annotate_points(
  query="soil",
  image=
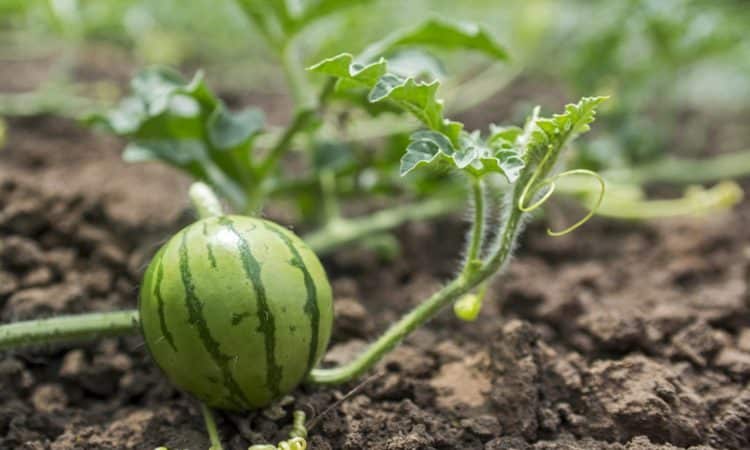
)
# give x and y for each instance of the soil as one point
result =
(618, 336)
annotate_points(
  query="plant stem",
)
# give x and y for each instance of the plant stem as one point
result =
(304, 117)
(256, 196)
(63, 329)
(686, 171)
(213, 432)
(695, 202)
(393, 336)
(295, 75)
(58, 99)
(228, 187)
(344, 231)
(331, 209)
(426, 310)
(628, 201)
(477, 232)
(204, 200)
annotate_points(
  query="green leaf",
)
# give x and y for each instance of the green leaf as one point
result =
(182, 154)
(227, 130)
(288, 17)
(429, 148)
(185, 125)
(162, 106)
(544, 138)
(503, 137)
(417, 64)
(409, 79)
(416, 97)
(342, 66)
(440, 34)
(482, 159)
(332, 155)
(317, 9)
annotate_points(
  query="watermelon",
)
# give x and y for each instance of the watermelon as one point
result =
(236, 311)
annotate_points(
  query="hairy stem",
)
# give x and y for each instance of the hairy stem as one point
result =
(305, 116)
(64, 329)
(301, 120)
(477, 232)
(426, 310)
(393, 336)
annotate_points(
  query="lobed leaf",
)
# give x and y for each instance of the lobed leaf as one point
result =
(545, 135)
(416, 97)
(227, 130)
(427, 148)
(288, 17)
(474, 156)
(507, 150)
(185, 125)
(502, 136)
(440, 34)
(317, 9)
(417, 64)
(410, 78)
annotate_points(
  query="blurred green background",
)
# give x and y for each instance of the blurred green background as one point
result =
(678, 71)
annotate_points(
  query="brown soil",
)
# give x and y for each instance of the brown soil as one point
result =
(619, 336)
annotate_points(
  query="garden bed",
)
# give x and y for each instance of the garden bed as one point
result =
(616, 336)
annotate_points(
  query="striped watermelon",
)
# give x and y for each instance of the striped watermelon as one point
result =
(236, 311)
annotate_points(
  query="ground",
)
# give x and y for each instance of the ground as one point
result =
(617, 336)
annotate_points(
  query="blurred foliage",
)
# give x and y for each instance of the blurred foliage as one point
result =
(649, 55)
(658, 59)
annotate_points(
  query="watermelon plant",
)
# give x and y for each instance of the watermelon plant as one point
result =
(339, 159)
(237, 310)
(184, 124)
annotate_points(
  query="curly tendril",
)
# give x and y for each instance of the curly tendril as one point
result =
(549, 183)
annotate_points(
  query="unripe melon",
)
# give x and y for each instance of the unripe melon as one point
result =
(236, 311)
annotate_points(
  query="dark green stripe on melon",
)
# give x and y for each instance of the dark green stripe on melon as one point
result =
(267, 321)
(209, 248)
(311, 302)
(162, 320)
(195, 311)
